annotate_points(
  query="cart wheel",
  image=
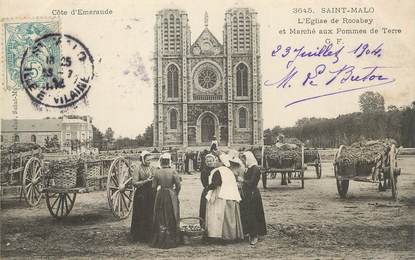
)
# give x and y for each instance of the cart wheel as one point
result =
(60, 204)
(32, 184)
(342, 187)
(302, 179)
(392, 177)
(120, 189)
(302, 167)
(382, 187)
(264, 180)
(318, 167)
(318, 171)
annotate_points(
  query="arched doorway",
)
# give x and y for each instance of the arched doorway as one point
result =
(207, 128)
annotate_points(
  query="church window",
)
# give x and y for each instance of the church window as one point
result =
(241, 32)
(171, 33)
(241, 80)
(242, 118)
(172, 81)
(166, 34)
(33, 138)
(172, 39)
(16, 138)
(178, 34)
(173, 119)
(207, 78)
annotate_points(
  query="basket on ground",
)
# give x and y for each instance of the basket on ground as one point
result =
(189, 227)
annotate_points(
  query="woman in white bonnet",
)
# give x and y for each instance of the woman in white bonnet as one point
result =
(238, 169)
(166, 221)
(223, 219)
(252, 210)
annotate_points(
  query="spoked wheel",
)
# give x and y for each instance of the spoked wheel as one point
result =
(393, 177)
(302, 179)
(302, 167)
(264, 174)
(264, 179)
(318, 167)
(342, 185)
(32, 184)
(60, 204)
(120, 189)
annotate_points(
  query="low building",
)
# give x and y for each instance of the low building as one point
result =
(68, 134)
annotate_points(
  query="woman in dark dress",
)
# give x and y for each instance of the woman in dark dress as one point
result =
(252, 210)
(209, 165)
(143, 200)
(166, 221)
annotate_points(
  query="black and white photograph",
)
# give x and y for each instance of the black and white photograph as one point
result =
(186, 129)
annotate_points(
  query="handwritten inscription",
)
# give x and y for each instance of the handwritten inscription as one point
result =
(330, 69)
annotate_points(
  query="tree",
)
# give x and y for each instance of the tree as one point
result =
(392, 108)
(148, 136)
(371, 102)
(109, 135)
(98, 137)
(268, 138)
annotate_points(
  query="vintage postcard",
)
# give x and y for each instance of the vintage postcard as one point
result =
(207, 129)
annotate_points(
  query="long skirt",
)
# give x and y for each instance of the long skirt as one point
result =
(166, 229)
(223, 219)
(142, 218)
(202, 208)
(252, 214)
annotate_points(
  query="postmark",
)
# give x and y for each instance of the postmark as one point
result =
(57, 70)
(18, 35)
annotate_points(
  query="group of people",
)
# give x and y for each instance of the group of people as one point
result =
(156, 211)
(230, 206)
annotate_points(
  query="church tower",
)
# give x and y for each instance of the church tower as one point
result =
(172, 37)
(207, 89)
(241, 40)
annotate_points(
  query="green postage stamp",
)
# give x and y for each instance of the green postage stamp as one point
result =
(53, 68)
(18, 36)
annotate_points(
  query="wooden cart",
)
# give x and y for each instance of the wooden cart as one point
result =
(384, 171)
(21, 170)
(294, 171)
(60, 199)
(313, 161)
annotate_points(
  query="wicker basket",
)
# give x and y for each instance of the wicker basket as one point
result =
(93, 172)
(192, 230)
(66, 177)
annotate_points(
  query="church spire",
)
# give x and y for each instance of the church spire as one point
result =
(206, 19)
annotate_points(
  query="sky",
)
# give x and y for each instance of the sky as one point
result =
(122, 45)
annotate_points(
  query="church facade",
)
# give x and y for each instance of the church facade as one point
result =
(206, 89)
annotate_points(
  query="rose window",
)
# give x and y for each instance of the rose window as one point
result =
(207, 78)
